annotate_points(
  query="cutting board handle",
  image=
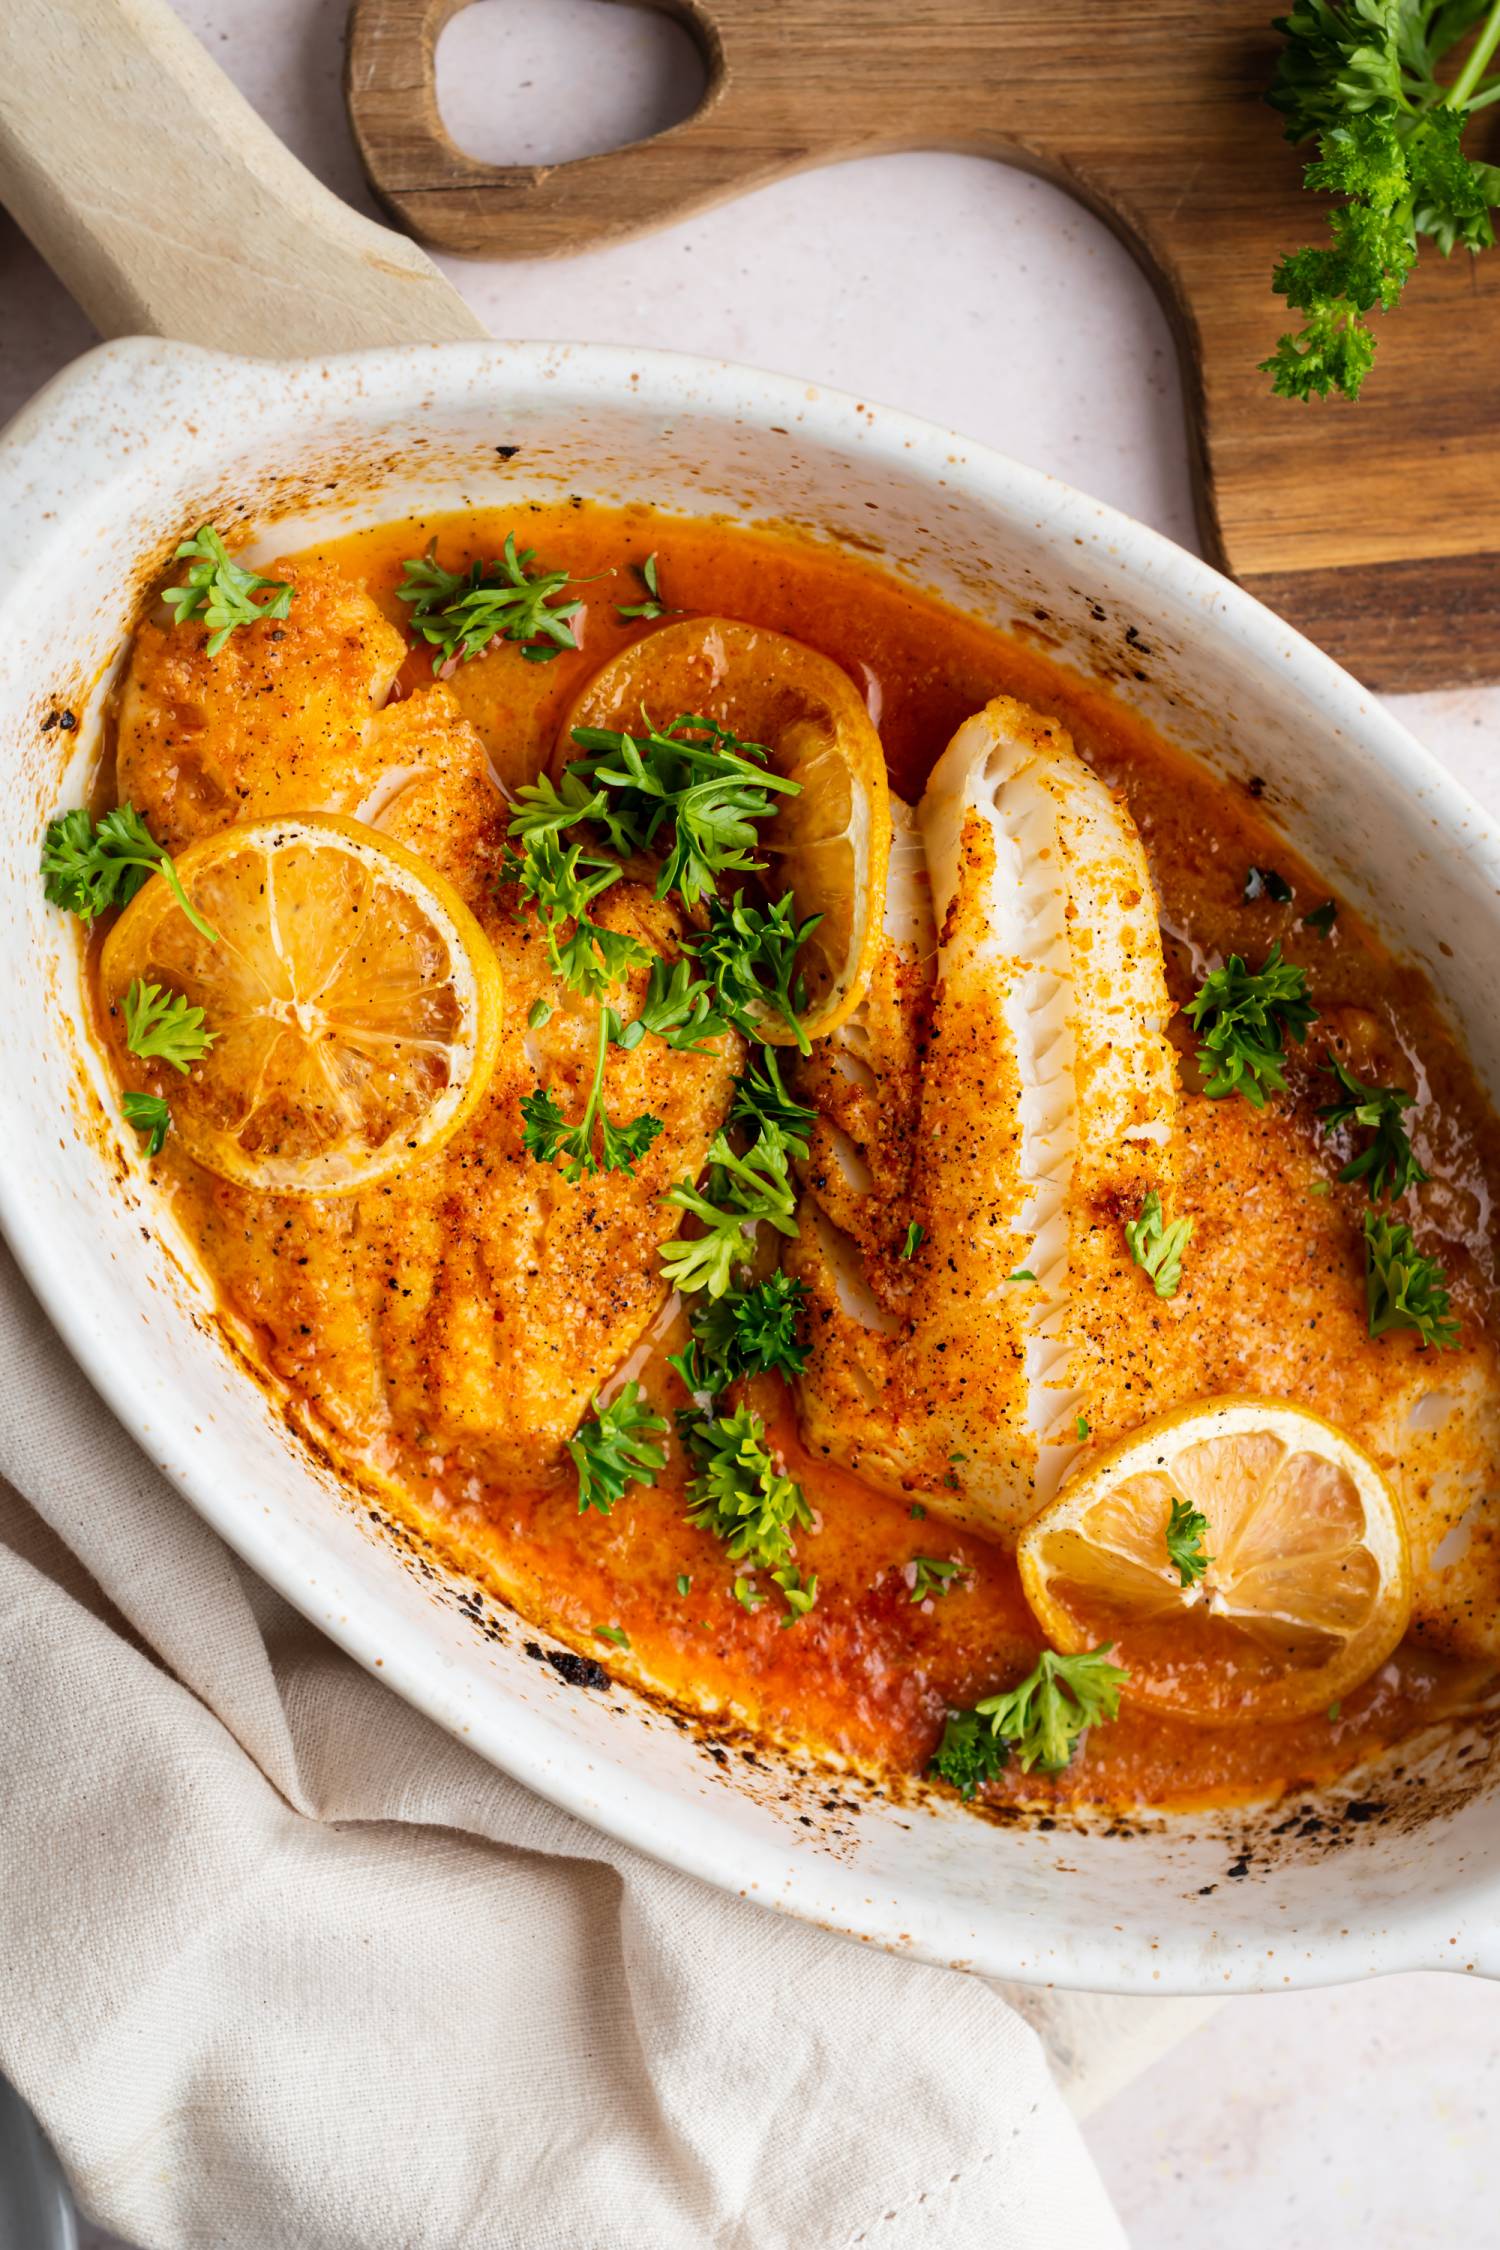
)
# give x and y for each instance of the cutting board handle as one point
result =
(734, 141)
(170, 209)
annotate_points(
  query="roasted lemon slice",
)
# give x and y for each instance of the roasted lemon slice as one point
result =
(353, 999)
(829, 844)
(1293, 1549)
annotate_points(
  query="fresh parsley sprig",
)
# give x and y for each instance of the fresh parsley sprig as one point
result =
(1244, 1018)
(1156, 1247)
(755, 1330)
(750, 952)
(547, 1135)
(969, 1754)
(89, 865)
(150, 1115)
(1045, 1716)
(1360, 78)
(653, 605)
(680, 1007)
(561, 882)
(692, 784)
(1388, 1163)
(462, 613)
(163, 1026)
(738, 1489)
(615, 1448)
(1187, 1528)
(221, 592)
(761, 1100)
(740, 1192)
(1404, 1288)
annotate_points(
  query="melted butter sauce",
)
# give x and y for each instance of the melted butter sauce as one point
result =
(870, 1671)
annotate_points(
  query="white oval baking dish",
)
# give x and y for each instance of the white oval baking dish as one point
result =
(97, 478)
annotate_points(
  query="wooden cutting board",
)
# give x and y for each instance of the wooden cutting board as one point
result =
(1375, 528)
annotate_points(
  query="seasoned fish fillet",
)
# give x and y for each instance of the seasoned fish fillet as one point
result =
(938, 1109)
(477, 1302)
(1045, 1112)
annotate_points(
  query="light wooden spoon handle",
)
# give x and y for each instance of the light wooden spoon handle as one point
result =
(169, 208)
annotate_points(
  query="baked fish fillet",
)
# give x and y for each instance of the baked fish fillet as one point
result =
(1035, 1106)
(473, 1304)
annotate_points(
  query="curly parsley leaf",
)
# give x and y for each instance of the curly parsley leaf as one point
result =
(969, 1754)
(1388, 1163)
(1156, 1247)
(761, 1099)
(1360, 78)
(1186, 1529)
(162, 1026)
(679, 1007)
(1244, 1017)
(740, 1492)
(149, 1114)
(751, 954)
(1045, 1717)
(616, 1448)
(1404, 1288)
(90, 865)
(220, 592)
(463, 613)
(750, 1331)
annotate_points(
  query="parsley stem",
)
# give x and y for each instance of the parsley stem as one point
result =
(1465, 84)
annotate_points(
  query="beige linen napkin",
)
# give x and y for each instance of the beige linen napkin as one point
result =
(287, 1968)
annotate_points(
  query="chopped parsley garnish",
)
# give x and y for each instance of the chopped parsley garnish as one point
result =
(615, 1449)
(88, 866)
(751, 954)
(799, 1593)
(761, 1100)
(1156, 1247)
(934, 1577)
(1042, 1719)
(679, 1007)
(149, 1114)
(219, 592)
(162, 1026)
(1361, 78)
(562, 882)
(739, 1492)
(737, 1192)
(692, 785)
(913, 1241)
(1244, 1017)
(461, 613)
(1403, 1288)
(653, 605)
(547, 1135)
(1081, 1428)
(1186, 1528)
(917, 1512)
(1387, 1164)
(539, 1013)
(748, 1595)
(1022, 1273)
(615, 1633)
(969, 1754)
(1322, 918)
(748, 1331)
(1266, 882)
(684, 1584)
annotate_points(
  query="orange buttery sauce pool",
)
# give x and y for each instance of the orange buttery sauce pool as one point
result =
(869, 1672)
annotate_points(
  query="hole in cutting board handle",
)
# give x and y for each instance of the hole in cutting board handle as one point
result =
(511, 92)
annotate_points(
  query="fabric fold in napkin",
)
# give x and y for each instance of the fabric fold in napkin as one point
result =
(287, 1968)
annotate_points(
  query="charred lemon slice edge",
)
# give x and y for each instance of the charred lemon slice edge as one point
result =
(829, 844)
(354, 1002)
(1294, 1583)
